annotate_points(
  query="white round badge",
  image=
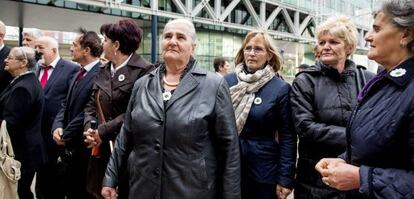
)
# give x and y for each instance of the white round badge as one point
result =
(398, 72)
(166, 95)
(257, 100)
(121, 77)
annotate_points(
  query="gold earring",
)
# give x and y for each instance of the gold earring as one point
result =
(115, 53)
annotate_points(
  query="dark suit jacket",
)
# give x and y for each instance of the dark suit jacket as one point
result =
(71, 114)
(5, 76)
(21, 105)
(55, 91)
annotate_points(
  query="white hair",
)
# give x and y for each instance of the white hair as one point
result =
(2, 28)
(34, 32)
(189, 24)
(51, 42)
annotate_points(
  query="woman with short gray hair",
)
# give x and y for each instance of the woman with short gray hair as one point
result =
(179, 137)
(379, 161)
(21, 105)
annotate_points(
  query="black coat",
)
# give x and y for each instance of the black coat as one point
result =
(5, 76)
(381, 136)
(322, 101)
(71, 114)
(186, 147)
(21, 105)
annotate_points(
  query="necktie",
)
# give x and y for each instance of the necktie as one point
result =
(80, 74)
(45, 75)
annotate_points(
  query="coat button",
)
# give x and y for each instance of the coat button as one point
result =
(156, 172)
(157, 147)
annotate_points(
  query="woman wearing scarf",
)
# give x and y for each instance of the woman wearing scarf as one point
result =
(261, 103)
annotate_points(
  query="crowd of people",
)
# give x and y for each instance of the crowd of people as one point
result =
(126, 128)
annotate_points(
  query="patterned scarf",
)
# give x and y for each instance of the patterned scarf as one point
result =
(243, 93)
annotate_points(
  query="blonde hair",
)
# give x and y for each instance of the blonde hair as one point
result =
(275, 61)
(340, 27)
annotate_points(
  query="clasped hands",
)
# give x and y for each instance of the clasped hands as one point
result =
(338, 174)
(92, 137)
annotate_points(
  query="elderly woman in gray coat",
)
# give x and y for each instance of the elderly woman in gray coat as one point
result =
(179, 138)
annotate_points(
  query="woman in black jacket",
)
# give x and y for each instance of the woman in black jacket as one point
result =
(21, 105)
(380, 152)
(179, 137)
(322, 99)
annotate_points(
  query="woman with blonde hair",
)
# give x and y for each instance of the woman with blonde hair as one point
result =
(263, 117)
(322, 99)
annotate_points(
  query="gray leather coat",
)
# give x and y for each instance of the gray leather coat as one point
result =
(186, 147)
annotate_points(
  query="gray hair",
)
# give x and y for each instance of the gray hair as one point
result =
(189, 24)
(2, 27)
(34, 32)
(400, 13)
(51, 42)
(25, 53)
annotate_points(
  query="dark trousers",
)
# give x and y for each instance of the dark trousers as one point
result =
(23, 186)
(74, 178)
(251, 189)
(48, 183)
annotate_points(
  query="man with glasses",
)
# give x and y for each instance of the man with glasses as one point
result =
(5, 77)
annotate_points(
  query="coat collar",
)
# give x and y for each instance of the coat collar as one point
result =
(56, 72)
(89, 77)
(189, 82)
(403, 73)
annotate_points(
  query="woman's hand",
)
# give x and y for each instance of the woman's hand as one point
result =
(338, 174)
(282, 192)
(108, 193)
(92, 137)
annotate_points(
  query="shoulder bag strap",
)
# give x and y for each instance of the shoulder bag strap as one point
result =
(6, 146)
(99, 107)
(102, 116)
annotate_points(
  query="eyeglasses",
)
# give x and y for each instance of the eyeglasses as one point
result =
(256, 50)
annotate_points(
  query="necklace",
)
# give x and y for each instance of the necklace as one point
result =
(169, 83)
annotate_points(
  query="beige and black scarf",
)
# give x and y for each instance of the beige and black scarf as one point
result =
(243, 93)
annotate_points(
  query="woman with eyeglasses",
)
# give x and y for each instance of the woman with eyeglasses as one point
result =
(261, 103)
(322, 99)
(21, 106)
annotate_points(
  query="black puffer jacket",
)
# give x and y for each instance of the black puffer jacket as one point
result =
(322, 101)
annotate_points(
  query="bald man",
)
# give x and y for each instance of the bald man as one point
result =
(5, 77)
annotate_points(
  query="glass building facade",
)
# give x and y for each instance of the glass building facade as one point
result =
(215, 39)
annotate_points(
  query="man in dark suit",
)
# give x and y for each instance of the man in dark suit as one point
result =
(55, 75)
(5, 77)
(68, 125)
